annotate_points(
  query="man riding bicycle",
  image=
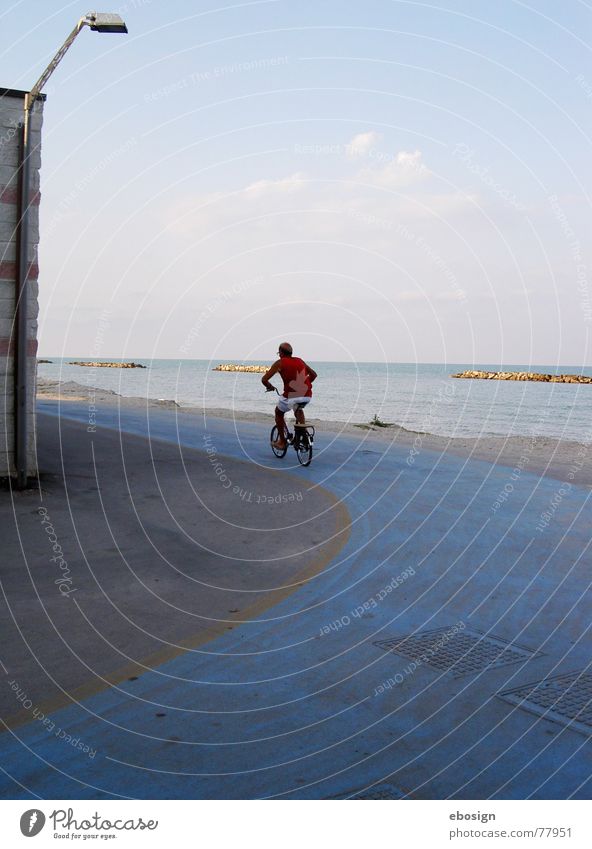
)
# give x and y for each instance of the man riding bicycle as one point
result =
(298, 378)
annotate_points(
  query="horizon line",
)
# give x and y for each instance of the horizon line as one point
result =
(340, 362)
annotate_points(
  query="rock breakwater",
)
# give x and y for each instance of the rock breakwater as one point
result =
(234, 367)
(107, 365)
(524, 375)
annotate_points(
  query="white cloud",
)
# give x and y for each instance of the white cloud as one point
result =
(387, 169)
(402, 169)
(265, 187)
(362, 144)
(298, 206)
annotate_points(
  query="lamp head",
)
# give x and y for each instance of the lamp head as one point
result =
(105, 22)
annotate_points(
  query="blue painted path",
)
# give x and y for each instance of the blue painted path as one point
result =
(304, 704)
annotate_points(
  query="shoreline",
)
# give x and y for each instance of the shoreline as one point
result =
(565, 460)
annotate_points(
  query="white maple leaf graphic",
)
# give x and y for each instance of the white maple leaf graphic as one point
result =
(299, 386)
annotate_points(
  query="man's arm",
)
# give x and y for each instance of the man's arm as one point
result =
(270, 373)
(311, 373)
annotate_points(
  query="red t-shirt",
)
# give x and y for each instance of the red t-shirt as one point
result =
(294, 372)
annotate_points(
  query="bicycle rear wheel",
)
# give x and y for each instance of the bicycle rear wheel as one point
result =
(303, 447)
(273, 437)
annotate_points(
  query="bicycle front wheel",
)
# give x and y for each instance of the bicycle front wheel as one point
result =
(273, 437)
(304, 449)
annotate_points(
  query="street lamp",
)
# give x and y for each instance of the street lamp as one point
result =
(99, 22)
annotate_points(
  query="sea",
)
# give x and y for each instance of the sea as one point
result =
(418, 396)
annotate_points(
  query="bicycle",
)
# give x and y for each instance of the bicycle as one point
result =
(301, 439)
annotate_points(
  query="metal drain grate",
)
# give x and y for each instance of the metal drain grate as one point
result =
(460, 652)
(566, 699)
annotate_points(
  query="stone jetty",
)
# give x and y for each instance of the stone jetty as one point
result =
(524, 375)
(107, 365)
(234, 367)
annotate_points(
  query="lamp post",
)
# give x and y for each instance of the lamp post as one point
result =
(99, 22)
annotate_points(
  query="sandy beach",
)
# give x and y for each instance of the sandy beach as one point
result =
(560, 459)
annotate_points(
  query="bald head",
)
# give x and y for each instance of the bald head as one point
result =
(285, 349)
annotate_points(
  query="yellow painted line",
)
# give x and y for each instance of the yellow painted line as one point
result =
(157, 658)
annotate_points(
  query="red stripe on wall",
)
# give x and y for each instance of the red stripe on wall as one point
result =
(10, 194)
(8, 270)
(7, 347)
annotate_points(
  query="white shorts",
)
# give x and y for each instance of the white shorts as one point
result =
(285, 404)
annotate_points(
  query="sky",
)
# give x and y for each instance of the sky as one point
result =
(388, 180)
